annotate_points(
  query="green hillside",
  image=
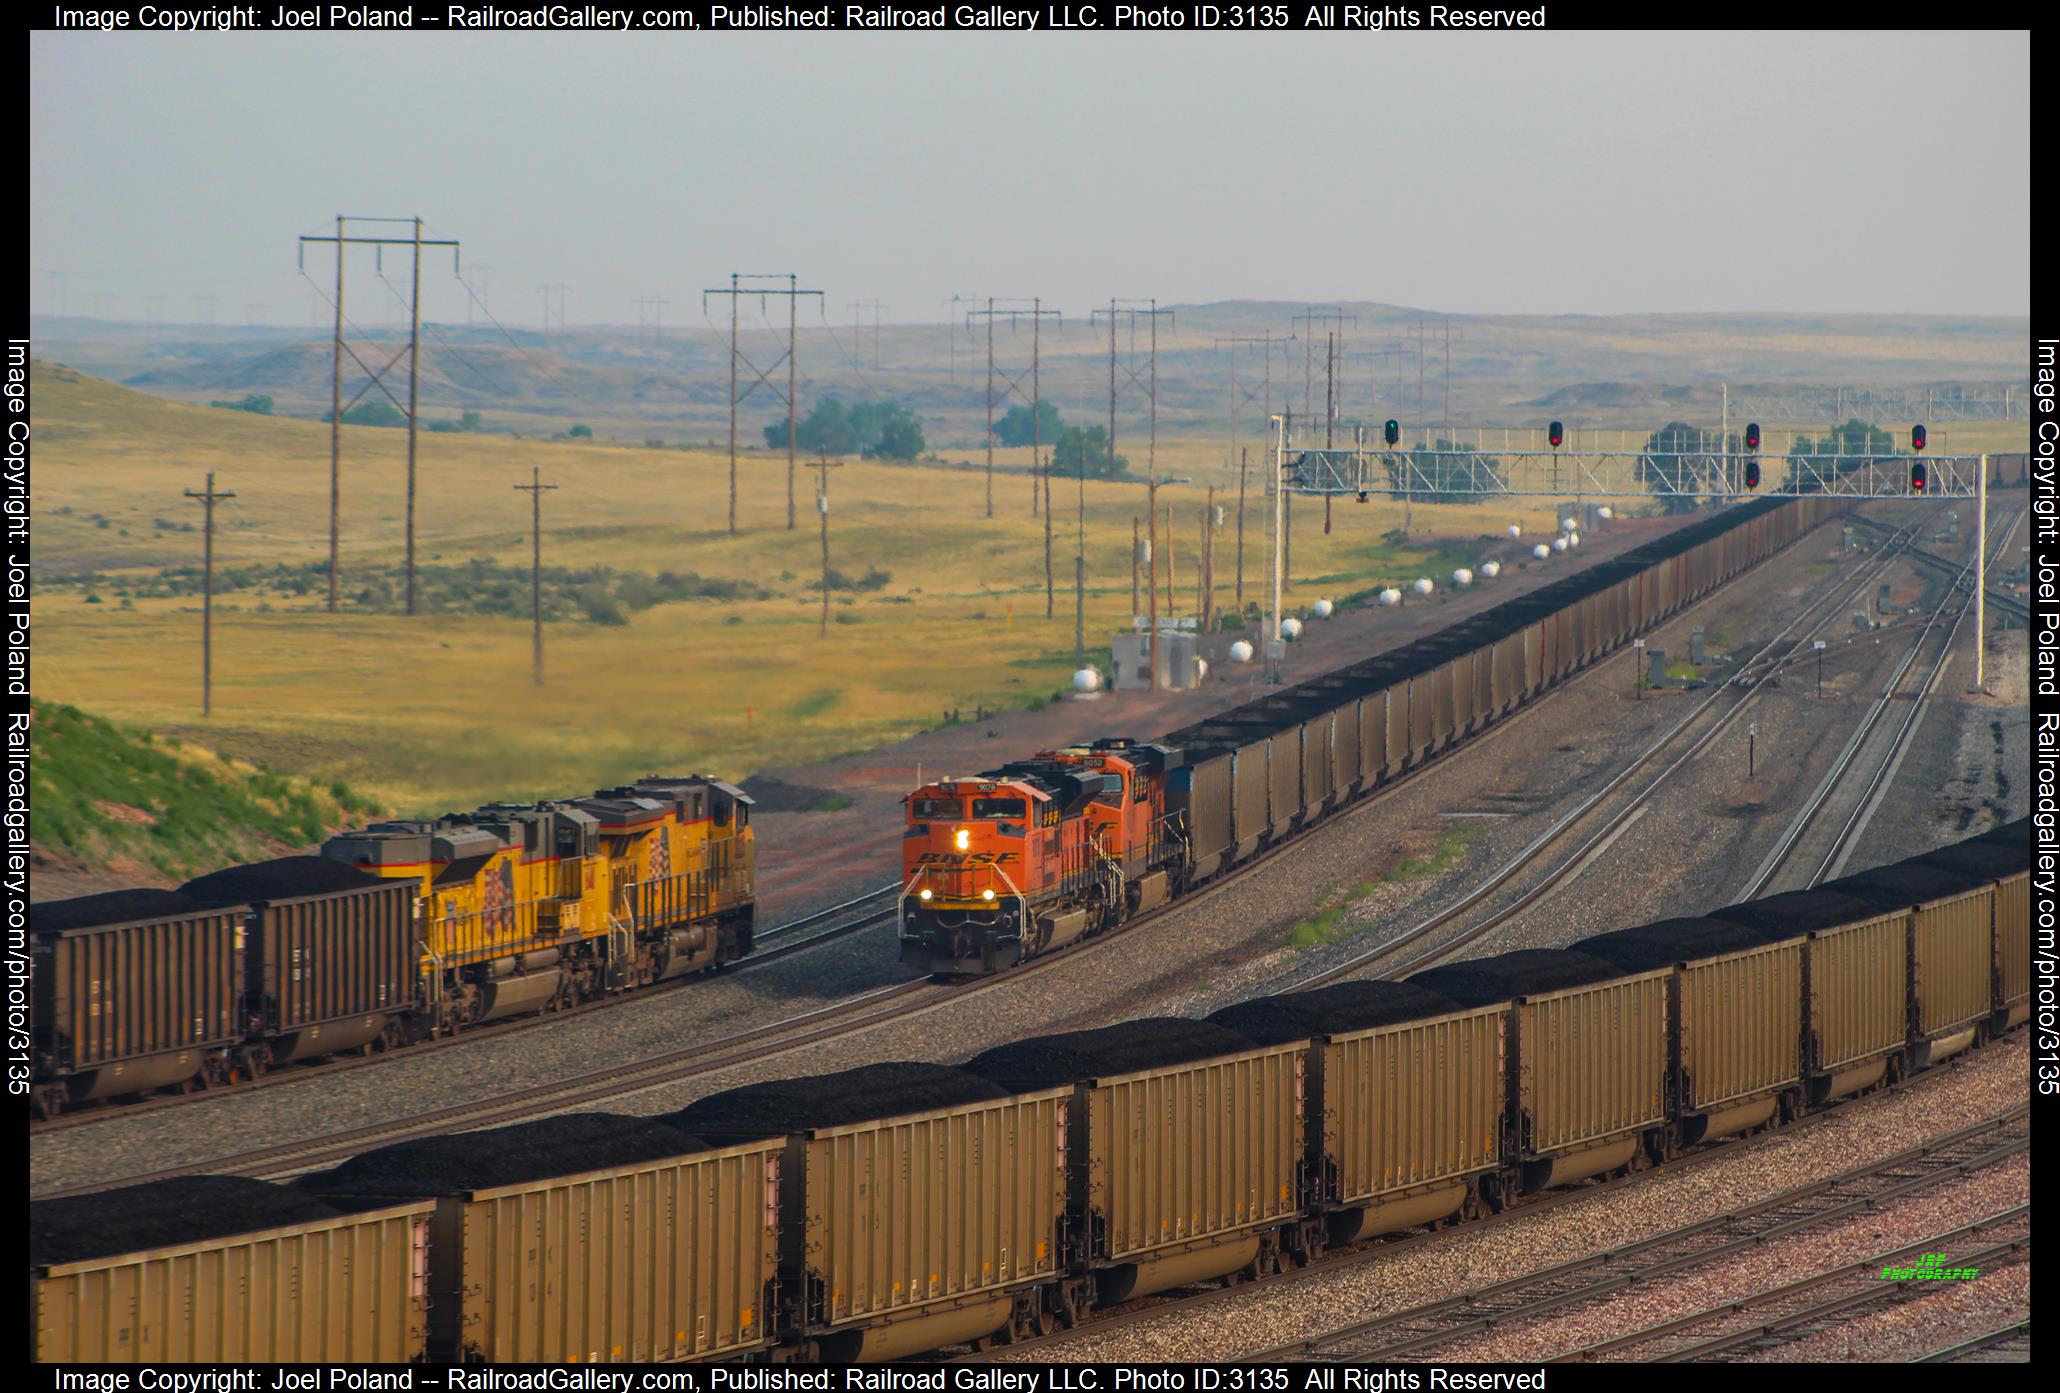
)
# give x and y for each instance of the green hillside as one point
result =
(104, 792)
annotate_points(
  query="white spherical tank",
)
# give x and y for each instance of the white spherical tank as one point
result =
(1605, 512)
(1087, 680)
(1567, 524)
(1290, 628)
(1240, 652)
(1390, 597)
(1322, 609)
(1423, 586)
(1559, 544)
(1492, 570)
(1515, 531)
(1462, 576)
(1541, 551)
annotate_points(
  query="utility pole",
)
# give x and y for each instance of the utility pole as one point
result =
(1012, 385)
(953, 335)
(876, 309)
(1208, 601)
(1147, 309)
(822, 508)
(655, 320)
(1334, 316)
(1330, 409)
(536, 488)
(1134, 539)
(793, 292)
(1243, 459)
(548, 291)
(376, 378)
(207, 500)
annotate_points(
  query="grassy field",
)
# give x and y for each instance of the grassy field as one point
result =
(437, 711)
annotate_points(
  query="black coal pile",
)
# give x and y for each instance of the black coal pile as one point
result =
(163, 1214)
(1980, 860)
(114, 907)
(864, 1094)
(2016, 833)
(1890, 888)
(1796, 913)
(541, 1150)
(1526, 972)
(1668, 942)
(1157, 1042)
(1335, 1010)
(286, 878)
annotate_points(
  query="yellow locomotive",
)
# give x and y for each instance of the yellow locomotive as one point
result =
(533, 906)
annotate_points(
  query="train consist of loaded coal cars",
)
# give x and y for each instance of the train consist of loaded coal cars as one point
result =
(395, 933)
(1030, 857)
(894, 1208)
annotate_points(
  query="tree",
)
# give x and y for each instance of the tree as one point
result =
(581, 432)
(1856, 443)
(1447, 472)
(1014, 428)
(1680, 461)
(371, 413)
(875, 429)
(259, 405)
(1086, 451)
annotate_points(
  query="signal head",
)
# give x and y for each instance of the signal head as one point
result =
(1918, 477)
(1556, 433)
(1392, 431)
(1752, 436)
(1752, 473)
(1916, 437)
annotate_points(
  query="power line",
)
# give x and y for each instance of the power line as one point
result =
(339, 348)
(207, 499)
(793, 294)
(1147, 309)
(536, 488)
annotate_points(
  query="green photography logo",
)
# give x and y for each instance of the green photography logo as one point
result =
(1930, 1268)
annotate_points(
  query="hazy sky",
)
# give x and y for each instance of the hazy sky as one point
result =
(1595, 173)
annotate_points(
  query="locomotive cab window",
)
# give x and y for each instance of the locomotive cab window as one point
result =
(719, 811)
(1112, 790)
(1015, 809)
(936, 809)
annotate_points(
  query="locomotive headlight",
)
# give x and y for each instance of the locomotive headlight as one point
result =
(965, 838)
(986, 894)
(923, 894)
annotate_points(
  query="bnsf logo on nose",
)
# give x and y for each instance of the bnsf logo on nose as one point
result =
(967, 858)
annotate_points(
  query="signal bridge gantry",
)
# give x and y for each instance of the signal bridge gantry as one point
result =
(1460, 474)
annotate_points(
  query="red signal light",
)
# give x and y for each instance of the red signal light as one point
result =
(1556, 434)
(1917, 476)
(1752, 473)
(1752, 436)
(1916, 437)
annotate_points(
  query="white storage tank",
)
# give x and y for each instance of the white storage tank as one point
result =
(1491, 570)
(1390, 597)
(1240, 652)
(1462, 576)
(1322, 609)
(1087, 680)
(1290, 628)
(1541, 551)
(1423, 586)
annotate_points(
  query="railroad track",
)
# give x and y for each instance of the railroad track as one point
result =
(1386, 1246)
(1700, 726)
(893, 1002)
(782, 941)
(1824, 832)
(2009, 1345)
(1421, 1331)
(1810, 1305)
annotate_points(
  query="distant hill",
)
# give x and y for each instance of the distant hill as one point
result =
(1505, 369)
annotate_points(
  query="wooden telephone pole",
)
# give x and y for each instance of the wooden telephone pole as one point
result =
(536, 488)
(207, 499)
(822, 468)
(1147, 309)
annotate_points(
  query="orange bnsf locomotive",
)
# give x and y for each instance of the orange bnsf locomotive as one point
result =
(1033, 855)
